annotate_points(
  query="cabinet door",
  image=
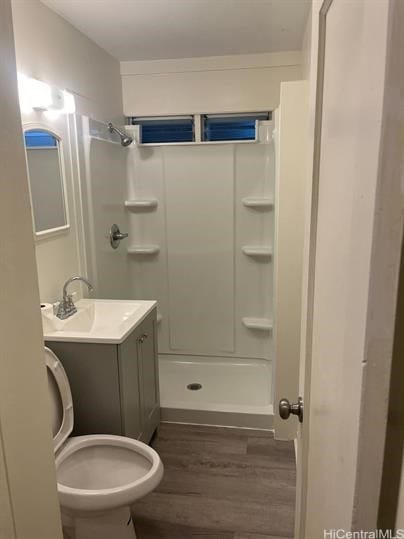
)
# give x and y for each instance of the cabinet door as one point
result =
(149, 378)
(129, 384)
(92, 370)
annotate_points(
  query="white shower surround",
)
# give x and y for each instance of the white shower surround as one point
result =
(204, 278)
(201, 242)
(234, 392)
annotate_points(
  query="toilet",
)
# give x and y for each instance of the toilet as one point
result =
(98, 476)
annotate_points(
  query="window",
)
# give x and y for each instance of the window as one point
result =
(160, 130)
(221, 127)
(198, 128)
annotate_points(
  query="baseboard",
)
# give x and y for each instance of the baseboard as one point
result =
(217, 418)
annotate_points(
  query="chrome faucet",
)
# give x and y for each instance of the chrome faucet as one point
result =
(66, 305)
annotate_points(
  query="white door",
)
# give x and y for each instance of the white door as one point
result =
(291, 125)
(29, 505)
(355, 238)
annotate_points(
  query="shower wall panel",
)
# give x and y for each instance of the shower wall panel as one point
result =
(200, 274)
(254, 226)
(104, 177)
(199, 202)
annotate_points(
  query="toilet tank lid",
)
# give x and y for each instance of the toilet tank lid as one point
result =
(60, 399)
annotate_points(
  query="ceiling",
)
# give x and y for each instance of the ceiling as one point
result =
(159, 29)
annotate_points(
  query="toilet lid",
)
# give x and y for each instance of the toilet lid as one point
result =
(61, 399)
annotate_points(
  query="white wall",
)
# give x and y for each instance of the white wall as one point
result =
(29, 506)
(214, 84)
(50, 49)
(386, 253)
(306, 47)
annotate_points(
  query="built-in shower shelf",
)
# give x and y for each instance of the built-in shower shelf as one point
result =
(256, 251)
(265, 203)
(141, 204)
(143, 249)
(261, 324)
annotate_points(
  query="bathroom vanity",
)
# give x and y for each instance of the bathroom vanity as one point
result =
(109, 352)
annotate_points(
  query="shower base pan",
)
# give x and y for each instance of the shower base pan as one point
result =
(216, 391)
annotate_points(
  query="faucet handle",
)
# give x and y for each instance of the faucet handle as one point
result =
(69, 304)
(60, 307)
(66, 307)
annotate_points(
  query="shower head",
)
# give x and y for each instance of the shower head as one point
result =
(125, 139)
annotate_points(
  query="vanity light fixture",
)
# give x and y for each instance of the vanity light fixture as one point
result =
(69, 104)
(40, 96)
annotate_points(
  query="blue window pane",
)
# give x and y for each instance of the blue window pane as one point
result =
(160, 131)
(231, 127)
(219, 129)
(35, 138)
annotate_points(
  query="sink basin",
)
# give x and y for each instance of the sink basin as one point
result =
(97, 320)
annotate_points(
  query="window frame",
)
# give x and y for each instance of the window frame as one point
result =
(134, 124)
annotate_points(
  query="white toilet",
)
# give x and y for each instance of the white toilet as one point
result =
(98, 476)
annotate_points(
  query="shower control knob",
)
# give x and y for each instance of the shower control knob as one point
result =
(120, 235)
(285, 409)
(115, 236)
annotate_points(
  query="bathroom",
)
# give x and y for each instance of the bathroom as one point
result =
(169, 148)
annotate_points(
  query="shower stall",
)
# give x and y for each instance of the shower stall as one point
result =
(200, 219)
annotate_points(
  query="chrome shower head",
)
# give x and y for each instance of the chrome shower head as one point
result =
(125, 139)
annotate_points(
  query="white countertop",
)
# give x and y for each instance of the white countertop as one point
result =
(97, 321)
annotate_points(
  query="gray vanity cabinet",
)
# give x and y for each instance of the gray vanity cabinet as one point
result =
(115, 388)
(148, 377)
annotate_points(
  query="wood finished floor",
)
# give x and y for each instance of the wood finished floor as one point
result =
(219, 483)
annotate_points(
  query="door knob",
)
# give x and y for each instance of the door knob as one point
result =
(115, 236)
(285, 409)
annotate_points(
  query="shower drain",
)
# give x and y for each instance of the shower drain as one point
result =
(194, 386)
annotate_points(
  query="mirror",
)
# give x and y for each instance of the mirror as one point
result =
(45, 173)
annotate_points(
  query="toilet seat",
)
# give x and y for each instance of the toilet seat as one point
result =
(95, 472)
(61, 399)
(81, 487)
